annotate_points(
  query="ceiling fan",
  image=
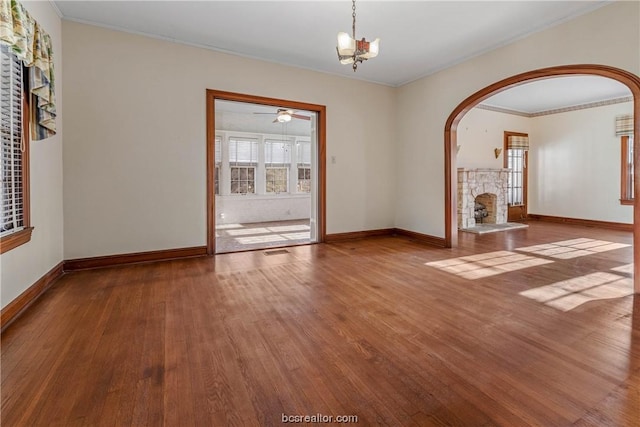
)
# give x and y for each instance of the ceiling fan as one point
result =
(283, 115)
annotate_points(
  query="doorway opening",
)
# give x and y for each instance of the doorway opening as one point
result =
(631, 80)
(265, 172)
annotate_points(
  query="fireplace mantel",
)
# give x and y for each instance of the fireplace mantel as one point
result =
(474, 182)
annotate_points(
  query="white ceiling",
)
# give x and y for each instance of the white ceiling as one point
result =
(558, 92)
(417, 37)
(242, 117)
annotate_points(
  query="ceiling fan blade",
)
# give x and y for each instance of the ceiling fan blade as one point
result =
(265, 113)
(298, 116)
(275, 121)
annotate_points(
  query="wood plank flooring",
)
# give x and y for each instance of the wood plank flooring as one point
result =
(363, 328)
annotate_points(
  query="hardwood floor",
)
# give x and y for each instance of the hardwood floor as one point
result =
(362, 328)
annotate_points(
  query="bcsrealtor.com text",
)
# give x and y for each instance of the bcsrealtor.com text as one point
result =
(319, 418)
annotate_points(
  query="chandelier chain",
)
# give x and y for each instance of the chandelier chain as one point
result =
(353, 7)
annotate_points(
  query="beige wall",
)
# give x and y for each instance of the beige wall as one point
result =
(24, 265)
(610, 35)
(574, 165)
(135, 171)
(480, 132)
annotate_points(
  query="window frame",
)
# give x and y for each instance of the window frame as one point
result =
(626, 170)
(303, 181)
(270, 163)
(20, 237)
(218, 164)
(516, 158)
(240, 181)
(284, 182)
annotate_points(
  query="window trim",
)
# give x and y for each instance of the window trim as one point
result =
(624, 171)
(240, 181)
(20, 237)
(304, 166)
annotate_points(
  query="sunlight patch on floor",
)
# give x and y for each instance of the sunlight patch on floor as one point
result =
(487, 264)
(574, 248)
(627, 268)
(569, 294)
(228, 226)
(283, 228)
(296, 236)
(246, 231)
(270, 238)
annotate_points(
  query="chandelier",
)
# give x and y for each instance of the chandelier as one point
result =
(352, 51)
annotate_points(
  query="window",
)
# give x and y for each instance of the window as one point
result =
(243, 179)
(304, 179)
(626, 178)
(516, 146)
(243, 159)
(304, 167)
(218, 162)
(277, 180)
(277, 155)
(14, 167)
(515, 162)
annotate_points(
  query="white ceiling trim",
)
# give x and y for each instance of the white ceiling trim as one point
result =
(557, 110)
(56, 9)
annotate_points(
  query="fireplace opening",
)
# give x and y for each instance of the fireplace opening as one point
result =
(485, 208)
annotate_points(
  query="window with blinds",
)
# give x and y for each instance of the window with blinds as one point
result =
(304, 166)
(515, 182)
(14, 146)
(277, 159)
(243, 159)
(218, 163)
(516, 162)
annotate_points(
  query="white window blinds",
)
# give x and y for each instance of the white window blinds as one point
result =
(277, 152)
(11, 188)
(243, 151)
(218, 150)
(304, 153)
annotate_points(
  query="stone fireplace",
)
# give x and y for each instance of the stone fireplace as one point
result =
(486, 186)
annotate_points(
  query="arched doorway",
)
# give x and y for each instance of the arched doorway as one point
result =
(450, 140)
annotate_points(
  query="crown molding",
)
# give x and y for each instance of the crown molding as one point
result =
(56, 9)
(557, 110)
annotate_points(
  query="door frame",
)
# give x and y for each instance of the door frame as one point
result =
(627, 78)
(525, 174)
(320, 110)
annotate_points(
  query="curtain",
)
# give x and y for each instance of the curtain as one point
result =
(521, 142)
(31, 44)
(624, 125)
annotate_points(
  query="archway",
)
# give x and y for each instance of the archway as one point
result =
(450, 140)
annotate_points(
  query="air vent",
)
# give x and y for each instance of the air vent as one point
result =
(276, 252)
